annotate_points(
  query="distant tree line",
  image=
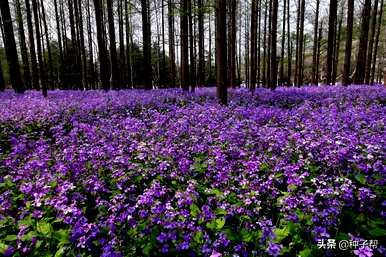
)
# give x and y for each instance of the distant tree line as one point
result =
(93, 44)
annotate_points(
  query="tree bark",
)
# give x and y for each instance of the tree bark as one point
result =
(146, 35)
(39, 48)
(34, 65)
(221, 52)
(273, 79)
(50, 67)
(191, 49)
(347, 56)
(359, 75)
(315, 47)
(331, 39)
(374, 58)
(371, 42)
(101, 47)
(289, 47)
(171, 41)
(184, 46)
(337, 49)
(252, 80)
(113, 50)
(232, 44)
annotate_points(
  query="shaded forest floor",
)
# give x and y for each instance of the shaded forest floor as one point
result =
(165, 173)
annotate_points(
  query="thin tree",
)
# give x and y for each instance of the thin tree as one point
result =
(283, 44)
(221, 52)
(184, 46)
(374, 58)
(146, 35)
(128, 46)
(113, 50)
(79, 21)
(34, 65)
(348, 49)
(289, 46)
(122, 61)
(252, 79)
(318, 52)
(201, 46)
(39, 48)
(171, 41)
(359, 75)
(59, 35)
(10, 48)
(191, 49)
(300, 48)
(232, 44)
(315, 47)
(103, 67)
(337, 50)
(371, 42)
(50, 67)
(331, 39)
(273, 79)
(23, 46)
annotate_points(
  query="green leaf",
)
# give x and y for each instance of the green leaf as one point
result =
(220, 211)
(62, 236)
(194, 210)
(361, 178)
(220, 222)
(29, 236)
(60, 252)
(10, 238)
(44, 228)
(305, 253)
(378, 232)
(281, 233)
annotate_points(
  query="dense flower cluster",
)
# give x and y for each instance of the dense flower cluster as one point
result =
(165, 173)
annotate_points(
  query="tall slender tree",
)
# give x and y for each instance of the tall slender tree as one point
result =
(201, 46)
(171, 41)
(369, 58)
(253, 53)
(39, 48)
(146, 35)
(31, 39)
(281, 74)
(221, 52)
(184, 46)
(232, 44)
(273, 79)
(348, 49)
(23, 46)
(10, 48)
(113, 50)
(289, 48)
(374, 58)
(331, 39)
(191, 48)
(359, 75)
(103, 61)
(50, 65)
(315, 47)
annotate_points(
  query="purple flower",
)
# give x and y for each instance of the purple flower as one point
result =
(364, 252)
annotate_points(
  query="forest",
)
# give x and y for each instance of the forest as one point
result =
(214, 128)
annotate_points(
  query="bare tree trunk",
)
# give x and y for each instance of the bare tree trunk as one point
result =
(82, 45)
(232, 44)
(318, 53)
(337, 49)
(289, 48)
(191, 49)
(258, 42)
(253, 46)
(171, 41)
(34, 65)
(59, 35)
(128, 47)
(331, 39)
(101, 47)
(122, 63)
(347, 55)
(113, 50)
(371, 42)
(10, 48)
(201, 55)
(315, 47)
(359, 75)
(281, 81)
(273, 79)
(91, 70)
(296, 79)
(265, 44)
(50, 67)
(221, 51)
(374, 58)
(39, 47)
(146, 35)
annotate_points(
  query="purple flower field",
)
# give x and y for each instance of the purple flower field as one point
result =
(165, 173)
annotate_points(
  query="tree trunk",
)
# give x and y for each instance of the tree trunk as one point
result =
(300, 68)
(296, 79)
(184, 46)
(39, 47)
(59, 35)
(273, 78)
(374, 58)
(347, 55)
(258, 63)
(252, 79)
(34, 65)
(232, 44)
(128, 47)
(146, 35)
(359, 75)
(201, 46)
(371, 42)
(171, 41)
(331, 39)
(337, 49)
(264, 71)
(82, 45)
(113, 50)
(91, 68)
(101, 46)
(281, 81)
(289, 47)
(318, 53)
(315, 47)
(122, 62)
(221, 52)
(191, 43)
(50, 67)
(23, 46)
